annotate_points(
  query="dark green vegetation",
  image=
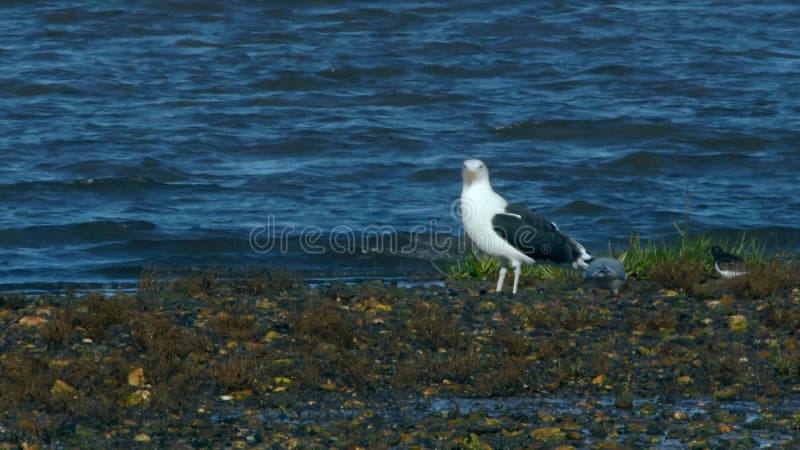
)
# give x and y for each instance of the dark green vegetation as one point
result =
(686, 265)
(262, 360)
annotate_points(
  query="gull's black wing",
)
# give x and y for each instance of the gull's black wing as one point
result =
(534, 236)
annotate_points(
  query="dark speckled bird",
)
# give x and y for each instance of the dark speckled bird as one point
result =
(726, 264)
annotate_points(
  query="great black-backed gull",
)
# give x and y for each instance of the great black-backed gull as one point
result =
(605, 273)
(726, 264)
(511, 232)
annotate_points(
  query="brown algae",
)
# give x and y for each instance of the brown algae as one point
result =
(377, 366)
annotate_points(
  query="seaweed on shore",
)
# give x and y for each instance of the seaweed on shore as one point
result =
(344, 364)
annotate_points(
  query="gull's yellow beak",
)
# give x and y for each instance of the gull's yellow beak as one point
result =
(469, 176)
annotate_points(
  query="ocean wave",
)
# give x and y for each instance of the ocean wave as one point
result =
(156, 170)
(619, 129)
(352, 73)
(74, 233)
(124, 186)
(20, 88)
(582, 208)
(291, 80)
(647, 160)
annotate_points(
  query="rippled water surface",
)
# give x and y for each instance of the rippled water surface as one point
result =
(161, 133)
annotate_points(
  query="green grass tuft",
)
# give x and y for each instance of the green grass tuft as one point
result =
(673, 264)
(475, 267)
(649, 260)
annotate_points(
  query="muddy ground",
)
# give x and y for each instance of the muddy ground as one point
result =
(266, 361)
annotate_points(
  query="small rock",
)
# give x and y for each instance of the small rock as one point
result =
(725, 394)
(53, 363)
(727, 301)
(737, 322)
(575, 436)
(726, 417)
(136, 377)
(546, 417)
(548, 434)
(239, 395)
(381, 307)
(648, 409)
(491, 422)
(697, 443)
(282, 380)
(27, 424)
(624, 399)
(84, 431)
(271, 336)
(141, 438)
(135, 398)
(637, 427)
(32, 321)
(62, 388)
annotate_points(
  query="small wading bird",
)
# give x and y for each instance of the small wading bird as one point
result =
(726, 264)
(605, 273)
(511, 232)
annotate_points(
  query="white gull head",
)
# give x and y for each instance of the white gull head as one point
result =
(474, 173)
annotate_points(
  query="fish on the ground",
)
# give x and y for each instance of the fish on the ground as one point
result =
(605, 273)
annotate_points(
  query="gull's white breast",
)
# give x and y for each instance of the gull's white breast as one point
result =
(477, 210)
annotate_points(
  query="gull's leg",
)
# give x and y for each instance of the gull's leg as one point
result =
(500, 279)
(517, 269)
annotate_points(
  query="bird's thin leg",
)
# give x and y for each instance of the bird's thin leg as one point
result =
(500, 279)
(517, 269)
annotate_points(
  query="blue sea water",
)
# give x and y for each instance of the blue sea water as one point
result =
(163, 133)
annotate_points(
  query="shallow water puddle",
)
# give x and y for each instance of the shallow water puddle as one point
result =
(401, 282)
(666, 425)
